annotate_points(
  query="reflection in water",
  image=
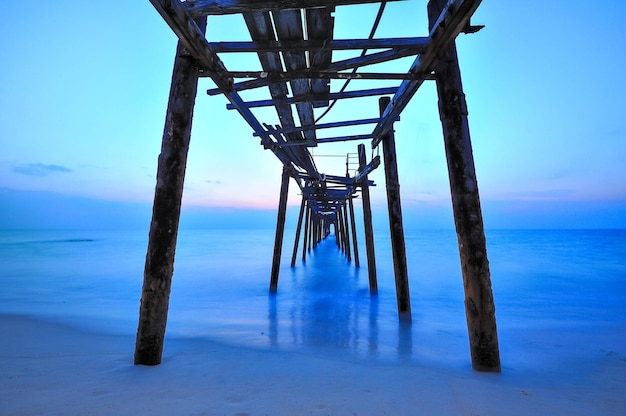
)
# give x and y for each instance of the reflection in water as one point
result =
(324, 305)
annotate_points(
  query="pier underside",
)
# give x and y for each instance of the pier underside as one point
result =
(293, 52)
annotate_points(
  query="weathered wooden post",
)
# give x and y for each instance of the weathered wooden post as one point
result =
(479, 304)
(342, 228)
(298, 229)
(346, 232)
(311, 229)
(306, 231)
(318, 223)
(159, 267)
(367, 225)
(354, 242)
(280, 229)
(395, 221)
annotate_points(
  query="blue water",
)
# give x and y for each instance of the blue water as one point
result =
(544, 281)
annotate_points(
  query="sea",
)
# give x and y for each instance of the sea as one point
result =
(559, 294)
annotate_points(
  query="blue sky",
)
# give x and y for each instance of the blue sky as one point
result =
(84, 90)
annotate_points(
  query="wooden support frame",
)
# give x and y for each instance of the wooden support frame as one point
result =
(396, 227)
(168, 193)
(294, 42)
(468, 221)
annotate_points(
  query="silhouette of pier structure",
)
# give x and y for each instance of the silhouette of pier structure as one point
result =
(294, 43)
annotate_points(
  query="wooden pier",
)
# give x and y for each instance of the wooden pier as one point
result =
(293, 42)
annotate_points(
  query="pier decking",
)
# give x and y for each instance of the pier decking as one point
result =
(294, 44)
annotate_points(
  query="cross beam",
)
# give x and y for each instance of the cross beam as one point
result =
(452, 21)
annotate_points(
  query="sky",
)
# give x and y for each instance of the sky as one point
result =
(84, 90)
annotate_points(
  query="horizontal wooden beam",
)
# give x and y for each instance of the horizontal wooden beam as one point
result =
(332, 125)
(308, 74)
(416, 44)
(317, 97)
(372, 59)
(314, 143)
(344, 138)
(339, 180)
(452, 21)
(351, 63)
(218, 7)
(367, 169)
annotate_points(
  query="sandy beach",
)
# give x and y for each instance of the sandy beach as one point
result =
(50, 368)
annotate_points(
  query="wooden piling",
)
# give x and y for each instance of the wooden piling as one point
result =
(280, 230)
(306, 231)
(312, 232)
(298, 229)
(355, 244)
(318, 223)
(168, 193)
(367, 225)
(342, 229)
(346, 232)
(395, 221)
(479, 303)
(311, 229)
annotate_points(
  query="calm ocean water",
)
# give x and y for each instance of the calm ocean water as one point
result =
(543, 280)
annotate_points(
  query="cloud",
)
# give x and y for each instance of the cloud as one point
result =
(40, 169)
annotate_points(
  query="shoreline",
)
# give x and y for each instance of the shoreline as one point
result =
(52, 368)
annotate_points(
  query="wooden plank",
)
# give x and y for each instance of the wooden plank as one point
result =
(288, 25)
(454, 17)
(219, 7)
(321, 41)
(320, 25)
(260, 27)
